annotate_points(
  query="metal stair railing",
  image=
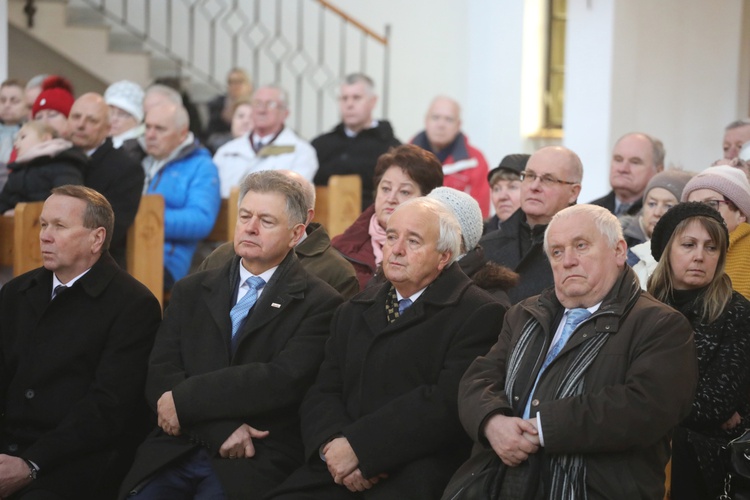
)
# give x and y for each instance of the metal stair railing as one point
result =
(305, 46)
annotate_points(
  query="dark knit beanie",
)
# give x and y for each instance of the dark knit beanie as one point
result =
(669, 221)
(57, 94)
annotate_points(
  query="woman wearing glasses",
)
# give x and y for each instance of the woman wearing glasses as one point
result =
(690, 242)
(727, 190)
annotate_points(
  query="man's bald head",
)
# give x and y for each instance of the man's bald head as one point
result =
(88, 121)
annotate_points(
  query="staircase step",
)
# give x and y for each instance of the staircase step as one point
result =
(81, 15)
(125, 42)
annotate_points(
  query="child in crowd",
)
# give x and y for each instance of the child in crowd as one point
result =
(43, 162)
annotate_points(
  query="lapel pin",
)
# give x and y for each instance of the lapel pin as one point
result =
(274, 304)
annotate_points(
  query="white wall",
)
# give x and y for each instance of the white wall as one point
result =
(669, 68)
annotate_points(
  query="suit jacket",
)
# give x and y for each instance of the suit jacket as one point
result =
(390, 388)
(72, 371)
(608, 201)
(120, 179)
(504, 247)
(316, 256)
(261, 383)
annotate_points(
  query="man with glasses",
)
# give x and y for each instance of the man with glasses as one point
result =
(551, 182)
(269, 146)
(636, 158)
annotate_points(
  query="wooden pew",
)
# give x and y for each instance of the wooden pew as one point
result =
(226, 220)
(145, 252)
(338, 204)
(19, 238)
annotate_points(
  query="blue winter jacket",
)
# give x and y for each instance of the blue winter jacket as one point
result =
(190, 187)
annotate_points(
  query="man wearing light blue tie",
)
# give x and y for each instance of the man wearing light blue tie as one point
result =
(578, 397)
(239, 347)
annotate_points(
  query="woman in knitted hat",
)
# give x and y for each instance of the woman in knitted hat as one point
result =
(125, 101)
(690, 242)
(662, 193)
(53, 104)
(505, 189)
(727, 190)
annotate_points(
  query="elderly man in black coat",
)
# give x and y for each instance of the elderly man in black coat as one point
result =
(382, 417)
(238, 349)
(111, 171)
(75, 336)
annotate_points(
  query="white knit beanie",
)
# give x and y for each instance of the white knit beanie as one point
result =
(127, 96)
(467, 211)
(730, 182)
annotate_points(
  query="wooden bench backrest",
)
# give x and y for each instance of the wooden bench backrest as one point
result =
(338, 204)
(19, 238)
(145, 252)
(224, 226)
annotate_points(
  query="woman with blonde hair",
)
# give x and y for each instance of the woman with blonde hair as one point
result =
(690, 243)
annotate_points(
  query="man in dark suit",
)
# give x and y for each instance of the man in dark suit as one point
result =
(237, 350)
(636, 158)
(314, 249)
(382, 416)
(550, 183)
(111, 171)
(74, 342)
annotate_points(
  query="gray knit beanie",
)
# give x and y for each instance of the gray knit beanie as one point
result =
(467, 211)
(730, 182)
(672, 180)
(127, 96)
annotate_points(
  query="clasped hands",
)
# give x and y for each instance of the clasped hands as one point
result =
(512, 438)
(238, 445)
(343, 464)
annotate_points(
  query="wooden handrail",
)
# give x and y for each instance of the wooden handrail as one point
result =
(343, 15)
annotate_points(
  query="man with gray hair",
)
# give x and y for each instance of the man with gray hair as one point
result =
(636, 158)
(238, 349)
(179, 169)
(355, 144)
(736, 134)
(313, 250)
(382, 415)
(271, 145)
(580, 393)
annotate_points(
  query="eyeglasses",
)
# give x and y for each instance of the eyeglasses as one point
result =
(266, 104)
(546, 180)
(715, 204)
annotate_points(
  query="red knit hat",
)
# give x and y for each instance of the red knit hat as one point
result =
(57, 94)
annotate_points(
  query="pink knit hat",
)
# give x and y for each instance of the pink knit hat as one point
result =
(730, 182)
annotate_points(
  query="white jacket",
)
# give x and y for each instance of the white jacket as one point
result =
(644, 267)
(236, 159)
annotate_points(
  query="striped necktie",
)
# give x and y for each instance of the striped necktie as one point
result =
(241, 308)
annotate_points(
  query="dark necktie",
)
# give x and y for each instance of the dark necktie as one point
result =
(58, 290)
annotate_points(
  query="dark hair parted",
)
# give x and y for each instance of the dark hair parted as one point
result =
(98, 212)
(420, 165)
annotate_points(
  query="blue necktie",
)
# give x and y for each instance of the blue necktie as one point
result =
(240, 309)
(573, 318)
(403, 305)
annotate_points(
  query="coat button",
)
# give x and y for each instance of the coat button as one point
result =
(535, 402)
(585, 335)
(606, 327)
(516, 398)
(29, 394)
(13, 447)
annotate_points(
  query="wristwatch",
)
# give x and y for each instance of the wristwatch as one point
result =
(33, 469)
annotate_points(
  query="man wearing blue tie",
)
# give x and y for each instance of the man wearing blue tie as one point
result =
(381, 418)
(578, 397)
(238, 348)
